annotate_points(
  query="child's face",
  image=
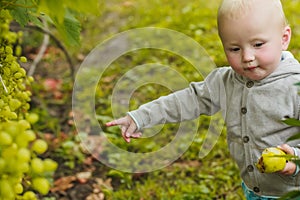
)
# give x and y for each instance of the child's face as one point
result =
(253, 43)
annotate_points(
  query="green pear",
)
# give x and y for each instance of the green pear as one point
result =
(272, 160)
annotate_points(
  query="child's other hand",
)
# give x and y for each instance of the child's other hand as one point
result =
(128, 127)
(290, 167)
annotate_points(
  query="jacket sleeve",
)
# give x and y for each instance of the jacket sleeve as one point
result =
(187, 104)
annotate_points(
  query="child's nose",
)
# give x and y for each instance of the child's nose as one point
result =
(248, 55)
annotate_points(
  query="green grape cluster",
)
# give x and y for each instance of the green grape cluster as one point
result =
(14, 96)
(22, 172)
(19, 161)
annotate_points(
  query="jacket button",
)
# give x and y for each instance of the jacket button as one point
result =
(246, 139)
(244, 110)
(250, 168)
(249, 84)
(256, 189)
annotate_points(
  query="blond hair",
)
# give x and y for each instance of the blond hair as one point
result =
(234, 9)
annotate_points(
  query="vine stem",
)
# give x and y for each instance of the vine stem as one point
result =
(2, 82)
(41, 51)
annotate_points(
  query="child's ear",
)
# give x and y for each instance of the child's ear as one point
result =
(286, 37)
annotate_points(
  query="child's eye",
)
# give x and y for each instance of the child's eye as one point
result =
(258, 44)
(234, 49)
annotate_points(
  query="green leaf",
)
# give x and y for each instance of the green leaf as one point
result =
(35, 20)
(298, 84)
(291, 121)
(294, 137)
(69, 30)
(72, 28)
(54, 9)
(20, 15)
(294, 195)
(24, 13)
(115, 173)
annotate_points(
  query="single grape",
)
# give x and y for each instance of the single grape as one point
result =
(23, 167)
(29, 135)
(6, 190)
(39, 146)
(2, 165)
(10, 151)
(30, 79)
(18, 75)
(23, 59)
(8, 50)
(18, 51)
(12, 128)
(5, 138)
(41, 185)
(29, 195)
(24, 124)
(37, 166)
(32, 118)
(50, 165)
(22, 71)
(23, 155)
(18, 188)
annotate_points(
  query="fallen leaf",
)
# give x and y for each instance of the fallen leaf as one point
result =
(63, 183)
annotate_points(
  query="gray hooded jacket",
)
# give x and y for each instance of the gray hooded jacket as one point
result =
(252, 110)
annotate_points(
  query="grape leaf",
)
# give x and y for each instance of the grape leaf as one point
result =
(291, 121)
(20, 15)
(24, 13)
(73, 28)
(54, 9)
(294, 137)
(70, 30)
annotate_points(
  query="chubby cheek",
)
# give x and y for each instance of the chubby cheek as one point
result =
(269, 58)
(235, 63)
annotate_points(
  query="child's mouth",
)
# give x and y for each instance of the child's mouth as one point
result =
(251, 68)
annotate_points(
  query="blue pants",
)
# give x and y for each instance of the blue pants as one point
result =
(250, 195)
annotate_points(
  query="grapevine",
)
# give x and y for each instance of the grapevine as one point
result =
(23, 173)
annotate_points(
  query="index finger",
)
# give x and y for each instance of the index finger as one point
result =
(116, 122)
(112, 123)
